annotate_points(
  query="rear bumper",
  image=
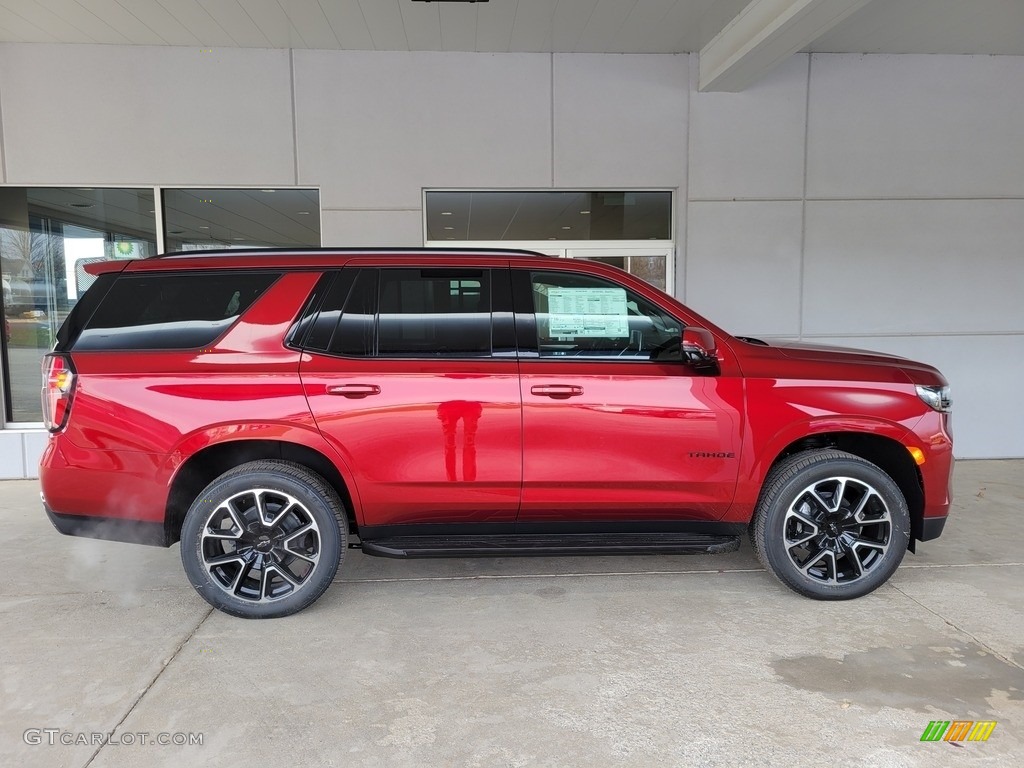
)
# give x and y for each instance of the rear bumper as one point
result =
(108, 528)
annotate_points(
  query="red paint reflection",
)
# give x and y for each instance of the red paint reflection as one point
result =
(450, 413)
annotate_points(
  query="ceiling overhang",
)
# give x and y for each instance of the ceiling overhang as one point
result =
(765, 34)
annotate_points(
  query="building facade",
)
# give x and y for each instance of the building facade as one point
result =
(873, 201)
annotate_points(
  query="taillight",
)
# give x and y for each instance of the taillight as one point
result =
(58, 389)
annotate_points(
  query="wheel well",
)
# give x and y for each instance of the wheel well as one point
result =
(885, 453)
(208, 464)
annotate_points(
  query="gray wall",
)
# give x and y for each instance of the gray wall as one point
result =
(870, 201)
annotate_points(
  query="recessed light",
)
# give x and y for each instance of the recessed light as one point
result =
(449, 238)
(203, 226)
(85, 189)
(268, 190)
(584, 213)
(80, 205)
(552, 238)
(449, 227)
(152, 211)
(566, 227)
(303, 213)
(446, 213)
(238, 238)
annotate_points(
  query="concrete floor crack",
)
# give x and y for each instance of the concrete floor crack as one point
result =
(151, 683)
(961, 630)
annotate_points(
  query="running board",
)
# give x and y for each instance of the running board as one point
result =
(520, 545)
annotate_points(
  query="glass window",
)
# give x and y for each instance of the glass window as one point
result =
(345, 323)
(434, 313)
(47, 235)
(650, 269)
(586, 317)
(172, 311)
(555, 215)
(354, 335)
(209, 219)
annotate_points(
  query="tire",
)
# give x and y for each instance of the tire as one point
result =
(824, 548)
(264, 540)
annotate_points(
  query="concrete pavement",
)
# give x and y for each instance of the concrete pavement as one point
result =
(631, 661)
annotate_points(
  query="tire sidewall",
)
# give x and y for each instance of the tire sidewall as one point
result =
(332, 544)
(773, 544)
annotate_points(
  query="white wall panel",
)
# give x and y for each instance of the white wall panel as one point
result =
(12, 456)
(984, 373)
(140, 115)
(35, 444)
(620, 120)
(743, 265)
(916, 126)
(372, 228)
(914, 266)
(375, 128)
(751, 144)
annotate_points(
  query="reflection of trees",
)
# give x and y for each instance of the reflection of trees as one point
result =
(27, 254)
(15, 252)
(32, 262)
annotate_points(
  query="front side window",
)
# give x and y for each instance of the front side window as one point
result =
(171, 311)
(579, 316)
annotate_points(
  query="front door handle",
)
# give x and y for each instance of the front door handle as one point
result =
(354, 391)
(557, 391)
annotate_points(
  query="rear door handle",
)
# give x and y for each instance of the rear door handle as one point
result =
(354, 391)
(557, 391)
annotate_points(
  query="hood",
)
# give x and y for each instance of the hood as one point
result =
(917, 372)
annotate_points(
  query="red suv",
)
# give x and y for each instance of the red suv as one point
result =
(272, 409)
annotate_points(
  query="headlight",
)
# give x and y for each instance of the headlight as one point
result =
(937, 398)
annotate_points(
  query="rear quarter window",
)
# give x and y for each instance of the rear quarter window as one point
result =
(171, 311)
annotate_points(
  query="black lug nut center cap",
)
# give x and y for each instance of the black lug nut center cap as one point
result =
(263, 543)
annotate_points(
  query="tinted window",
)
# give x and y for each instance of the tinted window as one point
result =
(434, 313)
(171, 311)
(583, 316)
(327, 319)
(354, 334)
(297, 335)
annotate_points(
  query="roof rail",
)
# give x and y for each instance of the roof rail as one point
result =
(506, 252)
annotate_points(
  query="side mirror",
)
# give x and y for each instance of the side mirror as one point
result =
(699, 349)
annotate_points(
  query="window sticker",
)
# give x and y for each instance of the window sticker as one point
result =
(588, 312)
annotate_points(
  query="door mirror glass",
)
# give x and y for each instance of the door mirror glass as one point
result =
(699, 348)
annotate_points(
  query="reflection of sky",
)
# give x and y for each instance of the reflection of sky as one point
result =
(75, 249)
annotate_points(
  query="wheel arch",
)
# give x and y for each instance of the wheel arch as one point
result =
(887, 453)
(201, 468)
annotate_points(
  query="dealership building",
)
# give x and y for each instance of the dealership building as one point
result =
(836, 171)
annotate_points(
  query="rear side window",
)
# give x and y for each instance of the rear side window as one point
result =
(424, 313)
(171, 311)
(434, 313)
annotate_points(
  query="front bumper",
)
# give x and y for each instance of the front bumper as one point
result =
(930, 528)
